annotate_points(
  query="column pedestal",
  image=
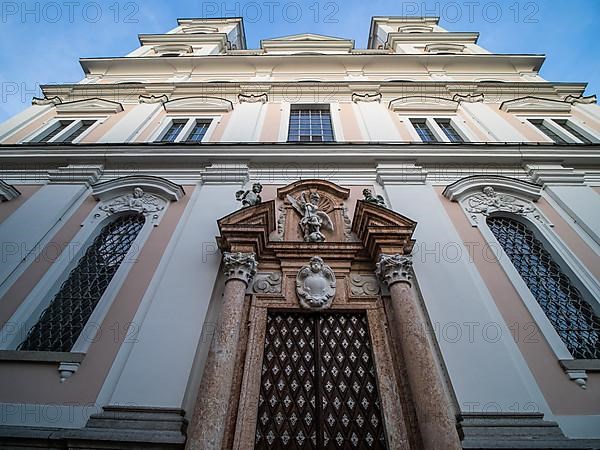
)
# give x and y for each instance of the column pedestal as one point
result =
(434, 414)
(210, 414)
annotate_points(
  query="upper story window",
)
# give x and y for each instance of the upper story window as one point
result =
(571, 316)
(310, 123)
(423, 130)
(63, 320)
(185, 130)
(64, 131)
(449, 130)
(563, 131)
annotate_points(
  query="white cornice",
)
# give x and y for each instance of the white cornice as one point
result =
(92, 105)
(466, 186)
(434, 37)
(198, 104)
(156, 185)
(555, 174)
(75, 174)
(533, 105)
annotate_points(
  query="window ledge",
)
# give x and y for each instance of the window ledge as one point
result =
(592, 365)
(47, 357)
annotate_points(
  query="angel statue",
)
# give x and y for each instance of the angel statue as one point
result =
(370, 198)
(312, 217)
(250, 198)
(490, 201)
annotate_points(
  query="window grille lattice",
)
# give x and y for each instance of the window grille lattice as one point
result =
(318, 385)
(62, 321)
(572, 317)
(310, 125)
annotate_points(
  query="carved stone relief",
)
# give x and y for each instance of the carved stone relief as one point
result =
(362, 285)
(315, 285)
(267, 283)
(140, 201)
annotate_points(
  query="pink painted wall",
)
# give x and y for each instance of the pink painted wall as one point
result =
(151, 127)
(563, 396)
(530, 133)
(102, 128)
(472, 126)
(35, 125)
(588, 120)
(7, 208)
(402, 124)
(270, 131)
(350, 123)
(22, 382)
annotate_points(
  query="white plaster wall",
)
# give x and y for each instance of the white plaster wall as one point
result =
(25, 232)
(155, 369)
(130, 124)
(493, 123)
(377, 122)
(245, 123)
(582, 203)
(488, 373)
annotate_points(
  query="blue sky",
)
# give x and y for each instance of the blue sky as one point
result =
(40, 42)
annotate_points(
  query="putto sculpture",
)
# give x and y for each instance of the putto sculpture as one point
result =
(138, 200)
(250, 197)
(315, 285)
(370, 198)
(313, 218)
(490, 201)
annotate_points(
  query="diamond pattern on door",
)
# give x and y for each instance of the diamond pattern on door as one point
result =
(318, 397)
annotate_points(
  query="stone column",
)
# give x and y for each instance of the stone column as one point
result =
(207, 426)
(436, 422)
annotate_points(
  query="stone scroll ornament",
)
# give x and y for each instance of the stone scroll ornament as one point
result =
(315, 285)
(139, 201)
(490, 201)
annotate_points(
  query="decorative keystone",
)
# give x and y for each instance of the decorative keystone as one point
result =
(239, 266)
(393, 269)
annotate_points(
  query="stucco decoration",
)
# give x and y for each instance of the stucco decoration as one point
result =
(250, 197)
(138, 200)
(267, 283)
(394, 268)
(253, 98)
(490, 201)
(375, 199)
(469, 98)
(589, 100)
(366, 97)
(8, 192)
(152, 99)
(313, 218)
(37, 101)
(315, 285)
(239, 266)
(362, 285)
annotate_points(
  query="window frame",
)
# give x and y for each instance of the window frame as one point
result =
(549, 122)
(336, 124)
(38, 135)
(167, 122)
(30, 311)
(437, 131)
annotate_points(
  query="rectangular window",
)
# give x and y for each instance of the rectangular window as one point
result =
(79, 129)
(574, 131)
(58, 127)
(198, 132)
(310, 124)
(449, 131)
(540, 125)
(423, 130)
(173, 131)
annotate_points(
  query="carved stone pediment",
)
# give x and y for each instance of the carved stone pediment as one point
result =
(138, 200)
(315, 285)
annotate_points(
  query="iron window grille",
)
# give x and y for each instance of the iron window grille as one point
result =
(61, 323)
(310, 124)
(571, 316)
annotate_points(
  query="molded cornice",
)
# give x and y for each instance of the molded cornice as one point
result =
(92, 105)
(156, 185)
(198, 104)
(533, 105)
(476, 183)
(422, 104)
(8, 192)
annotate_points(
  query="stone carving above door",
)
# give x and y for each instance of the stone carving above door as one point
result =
(313, 211)
(315, 285)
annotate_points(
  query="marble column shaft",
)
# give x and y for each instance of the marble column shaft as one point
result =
(207, 427)
(434, 414)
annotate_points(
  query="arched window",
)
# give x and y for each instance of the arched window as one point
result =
(571, 316)
(62, 322)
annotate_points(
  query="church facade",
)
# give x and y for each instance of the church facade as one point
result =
(302, 246)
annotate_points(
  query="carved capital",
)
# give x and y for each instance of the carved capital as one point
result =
(392, 269)
(239, 266)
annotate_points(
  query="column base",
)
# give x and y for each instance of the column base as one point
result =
(482, 431)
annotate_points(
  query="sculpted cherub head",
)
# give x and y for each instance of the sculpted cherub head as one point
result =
(489, 191)
(257, 188)
(138, 192)
(316, 264)
(314, 198)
